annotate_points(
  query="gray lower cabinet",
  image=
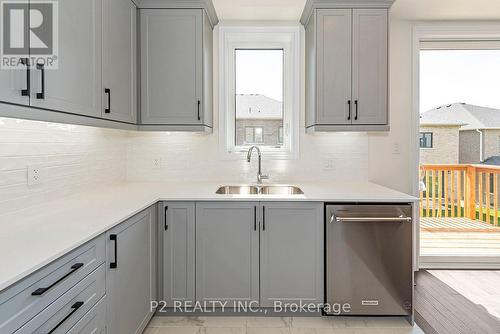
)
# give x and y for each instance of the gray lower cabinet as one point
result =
(131, 273)
(178, 252)
(291, 253)
(176, 68)
(259, 252)
(227, 251)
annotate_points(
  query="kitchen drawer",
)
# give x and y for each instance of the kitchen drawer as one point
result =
(24, 300)
(66, 311)
(94, 322)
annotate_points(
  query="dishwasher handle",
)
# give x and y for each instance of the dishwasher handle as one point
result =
(401, 218)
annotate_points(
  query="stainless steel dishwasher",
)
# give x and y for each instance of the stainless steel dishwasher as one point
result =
(369, 259)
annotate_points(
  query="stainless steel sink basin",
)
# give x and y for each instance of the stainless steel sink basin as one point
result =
(259, 190)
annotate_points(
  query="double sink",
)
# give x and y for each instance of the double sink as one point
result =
(259, 190)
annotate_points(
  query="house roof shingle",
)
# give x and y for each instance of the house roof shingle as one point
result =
(468, 117)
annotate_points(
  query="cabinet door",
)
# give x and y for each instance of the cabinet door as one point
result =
(227, 252)
(171, 66)
(333, 66)
(291, 255)
(74, 87)
(131, 276)
(12, 84)
(119, 61)
(178, 252)
(369, 72)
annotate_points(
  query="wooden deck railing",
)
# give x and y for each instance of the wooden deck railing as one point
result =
(460, 191)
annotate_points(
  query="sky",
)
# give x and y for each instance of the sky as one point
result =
(449, 76)
(260, 72)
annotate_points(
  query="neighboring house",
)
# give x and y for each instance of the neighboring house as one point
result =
(459, 133)
(259, 120)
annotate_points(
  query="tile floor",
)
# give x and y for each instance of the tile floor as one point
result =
(280, 325)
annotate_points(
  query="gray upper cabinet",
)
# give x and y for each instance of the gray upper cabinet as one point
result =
(119, 69)
(346, 65)
(291, 253)
(131, 273)
(14, 86)
(178, 252)
(75, 87)
(370, 69)
(176, 69)
(227, 251)
(334, 81)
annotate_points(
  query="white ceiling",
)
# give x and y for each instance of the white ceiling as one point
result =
(446, 9)
(290, 10)
(265, 10)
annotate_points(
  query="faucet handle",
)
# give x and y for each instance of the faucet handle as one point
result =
(264, 177)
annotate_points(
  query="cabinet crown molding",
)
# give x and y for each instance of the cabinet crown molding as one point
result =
(311, 5)
(207, 5)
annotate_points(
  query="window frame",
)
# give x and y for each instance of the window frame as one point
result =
(431, 139)
(254, 142)
(232, 38)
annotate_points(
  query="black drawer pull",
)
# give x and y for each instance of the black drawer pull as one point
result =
(41, 291)
(356, 113)
(41, 95)
(199, 103)
(349, 107)
(27, 91)
(107, 91)
(75, 308)
(255, 218)
(263, 218)
(166, 225)
(114, 264)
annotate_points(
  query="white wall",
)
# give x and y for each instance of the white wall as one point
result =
(195, 157)
(72, 158)
(390, 153)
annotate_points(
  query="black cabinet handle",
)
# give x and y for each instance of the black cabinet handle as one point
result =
(263, 218)
(199, 103)
(41, 95)
(356, 108)
(166, 225)
(27, 91)
(41, 291)
(114, 264)
(75, 308)
(255, 218)
(349, 107)
(108, 92)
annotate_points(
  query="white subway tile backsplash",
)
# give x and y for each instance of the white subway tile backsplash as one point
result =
(195, 157)
(76, 158)
(73, 158)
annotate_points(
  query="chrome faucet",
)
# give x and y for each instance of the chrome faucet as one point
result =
(260, 177)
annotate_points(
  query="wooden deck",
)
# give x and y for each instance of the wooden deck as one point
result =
(446, 236)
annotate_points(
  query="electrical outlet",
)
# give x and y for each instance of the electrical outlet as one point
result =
(34, 175)
(156, 163)
(328, 165)
(396, 149)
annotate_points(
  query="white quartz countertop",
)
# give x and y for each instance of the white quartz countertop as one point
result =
(36, 236)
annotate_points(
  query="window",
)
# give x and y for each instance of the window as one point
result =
(259, 90)
(425, 139)
(253, 135)
(259, 95)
